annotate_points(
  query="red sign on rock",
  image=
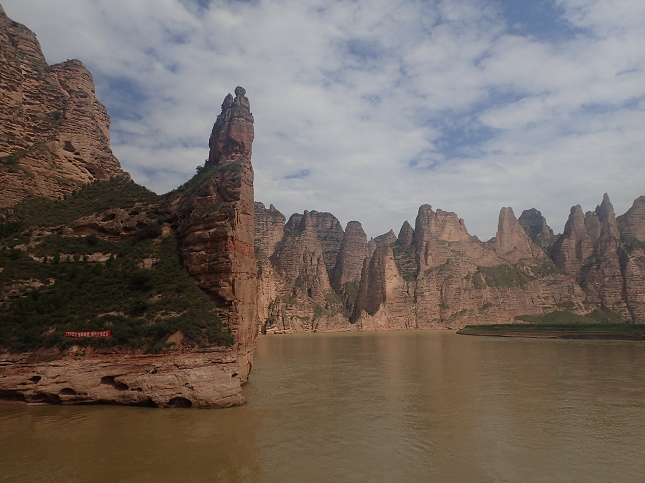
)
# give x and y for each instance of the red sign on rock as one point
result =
(93, 333)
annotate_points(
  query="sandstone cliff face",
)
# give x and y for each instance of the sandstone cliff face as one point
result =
(460, 280)
(632, 258)
(346, 274)
(216, 225)
(536, 228)
(605, 256)
(54, 133)
(212, 218)
(295, 281)
(433, 275)
(207, 379)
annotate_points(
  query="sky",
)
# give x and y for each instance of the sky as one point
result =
(368, 109)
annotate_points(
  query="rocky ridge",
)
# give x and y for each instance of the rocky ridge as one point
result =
(438, 275)
(54, 133)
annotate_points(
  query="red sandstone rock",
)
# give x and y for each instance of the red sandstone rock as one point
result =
(590, 250)
(205, 379)
(54, 133)
(346, 276)
(512, 242)
(536, 228)
(216, 226)
(632, 223)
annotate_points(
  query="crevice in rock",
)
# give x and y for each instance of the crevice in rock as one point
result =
(119, 386)
(180, 402)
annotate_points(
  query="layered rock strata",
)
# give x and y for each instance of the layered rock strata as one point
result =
(536, 228)
(606, 255)
(54, 133)
(459, 279)
(212, 217)
(207, 379)
(438, 275)
(215, 224)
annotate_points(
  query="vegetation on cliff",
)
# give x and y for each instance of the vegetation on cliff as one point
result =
(53, 281)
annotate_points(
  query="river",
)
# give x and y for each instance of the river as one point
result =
(366, 407)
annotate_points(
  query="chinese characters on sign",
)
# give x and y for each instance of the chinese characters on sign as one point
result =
(93, 333)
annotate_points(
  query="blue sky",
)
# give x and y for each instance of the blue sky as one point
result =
(368, 109)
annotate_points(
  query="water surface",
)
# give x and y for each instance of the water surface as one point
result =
(397, 406)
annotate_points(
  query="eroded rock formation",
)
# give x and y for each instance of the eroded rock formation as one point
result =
(54, 133)
(206, 379)
(212, 217)
(606, 256)
(216, 225)
(536, 228)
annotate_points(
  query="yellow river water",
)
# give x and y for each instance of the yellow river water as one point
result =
(418, 406)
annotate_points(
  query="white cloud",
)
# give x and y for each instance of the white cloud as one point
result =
(370, 109)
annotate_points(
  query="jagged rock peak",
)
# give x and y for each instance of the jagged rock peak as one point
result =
(232, 135)
(607, 217)
(512, 242)
(355, 228)
(385, 239)
(52, 127)
(406, 235)
(351, 254)
(536, 228)
(306, 223)
(632, 223)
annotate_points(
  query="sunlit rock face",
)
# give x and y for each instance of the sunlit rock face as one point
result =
(54, 133)
(607, 256)
(458, 279)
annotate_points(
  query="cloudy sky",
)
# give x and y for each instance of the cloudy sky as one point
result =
(368, 109)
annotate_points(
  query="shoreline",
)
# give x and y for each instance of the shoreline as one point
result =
(633, 332)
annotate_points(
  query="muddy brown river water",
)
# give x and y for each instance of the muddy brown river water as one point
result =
(367, 407)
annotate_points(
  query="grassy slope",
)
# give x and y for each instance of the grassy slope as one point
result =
(141, 306)
(600, 324)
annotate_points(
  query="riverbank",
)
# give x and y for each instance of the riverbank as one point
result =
(559, 331)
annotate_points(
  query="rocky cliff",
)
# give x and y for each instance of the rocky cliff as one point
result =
(215, 224)
(173, 277)
(438, 275)
(54, 133)
(606, 256)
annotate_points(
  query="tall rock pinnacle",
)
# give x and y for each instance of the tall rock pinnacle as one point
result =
(233, 132)
(217, 226)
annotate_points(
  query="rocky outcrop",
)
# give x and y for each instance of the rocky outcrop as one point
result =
(632, 224)
(54, 133)
(212, 217)
(269, 228)
(459, 279)
(299, 260)
(295, 282)
(346, 275)
(605, 260)
(205, 379)
(385, 239)
(215, 224)
(632, 258)
(536, 228)
(511, 242)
